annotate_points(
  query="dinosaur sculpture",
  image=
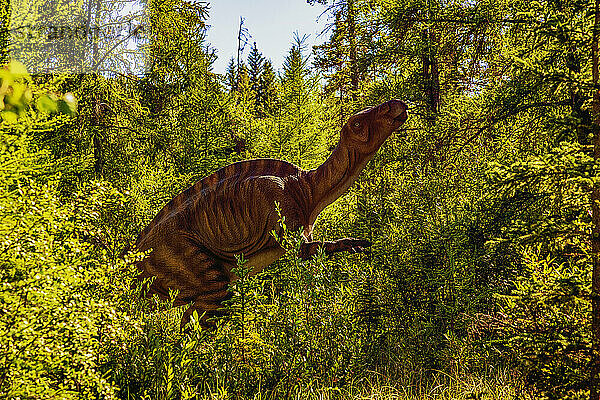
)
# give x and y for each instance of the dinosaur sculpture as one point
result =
(195, 237)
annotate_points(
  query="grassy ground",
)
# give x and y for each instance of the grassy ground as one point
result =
(445, 387)
(492, 386)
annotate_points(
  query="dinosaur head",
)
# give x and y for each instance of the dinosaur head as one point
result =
(367, 130)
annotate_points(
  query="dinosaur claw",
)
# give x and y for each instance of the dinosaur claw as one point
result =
(352, 245)
(360, 242)
(361, 249)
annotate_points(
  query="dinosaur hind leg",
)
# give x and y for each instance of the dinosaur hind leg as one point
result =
(209, 297)
(207, 308)
(198, 277)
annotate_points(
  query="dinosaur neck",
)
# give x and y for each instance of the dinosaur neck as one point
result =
(334, 177)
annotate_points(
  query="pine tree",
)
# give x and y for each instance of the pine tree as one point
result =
(595, 198)
(295, 69)
(231, 75)
(268, 91)
(244, 87)
(560, 231)
(255, 67)
(344, 57)
(297, 113)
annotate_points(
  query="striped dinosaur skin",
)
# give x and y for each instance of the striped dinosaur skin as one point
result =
(195, 237)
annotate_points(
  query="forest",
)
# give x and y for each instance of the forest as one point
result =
(483, 278)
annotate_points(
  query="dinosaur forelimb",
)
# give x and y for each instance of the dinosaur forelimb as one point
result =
(309, 249)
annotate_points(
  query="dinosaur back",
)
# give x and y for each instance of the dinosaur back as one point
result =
(230, 174)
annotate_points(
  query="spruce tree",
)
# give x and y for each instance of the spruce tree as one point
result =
(255, 67)
(267, 90)
(344, 58)
(295, 68)
(244, 86)
(231, 75)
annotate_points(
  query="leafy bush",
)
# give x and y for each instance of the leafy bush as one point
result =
(58, 290)
(546, 324)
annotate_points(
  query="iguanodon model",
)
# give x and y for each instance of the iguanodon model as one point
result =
(195, 237)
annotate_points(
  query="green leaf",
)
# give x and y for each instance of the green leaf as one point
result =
(46, 104)
(18, 69)
(64, 108)
(9, 117)
(68, 104)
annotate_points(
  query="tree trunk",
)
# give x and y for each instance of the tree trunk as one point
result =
(595, 356)
(354, 78)
(97, 139)
(95, 49)
(98, 153)
(240, 48)
(431, 74)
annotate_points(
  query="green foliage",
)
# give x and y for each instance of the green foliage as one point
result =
(58, 290)
(286, 330)
(546, 322)
(546, 315)
(17, 93)
(478, 210)
(255, 67)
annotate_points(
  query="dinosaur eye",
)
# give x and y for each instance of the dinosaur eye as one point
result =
(356, 124)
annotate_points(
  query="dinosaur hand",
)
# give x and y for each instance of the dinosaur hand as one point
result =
(352, 245)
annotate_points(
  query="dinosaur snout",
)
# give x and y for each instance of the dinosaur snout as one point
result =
(397, 110)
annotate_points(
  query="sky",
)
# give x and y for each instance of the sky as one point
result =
(270, 23)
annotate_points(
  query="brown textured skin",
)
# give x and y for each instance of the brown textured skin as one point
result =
(195, 237)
